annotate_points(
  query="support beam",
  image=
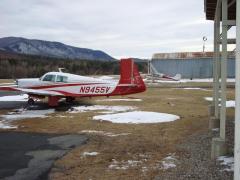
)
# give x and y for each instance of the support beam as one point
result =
(218, 65)
(229, 41)
(230, 23)
(223, 70)
(237, 98)
(231, 3)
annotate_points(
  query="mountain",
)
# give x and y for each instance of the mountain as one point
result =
(50, 49)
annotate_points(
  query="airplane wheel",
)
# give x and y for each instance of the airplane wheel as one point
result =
(69, 99)
(31, 101)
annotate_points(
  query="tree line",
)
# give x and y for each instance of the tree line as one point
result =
(27, 66)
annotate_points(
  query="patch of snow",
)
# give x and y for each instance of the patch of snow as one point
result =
(62, 116)
(210, 80)
(205, 80)
(194, 88)
(167, 165)
(130, 99)
(210, 99)
(22, 97)
(24, 114)
(215, 129)
(104, 133)
(123, 165)
(230, 103)
(163, 81)
(227, 162)
(111, 109)
(106, 112)
(168, 162)
(90, 153)
(137, 117)
(5, 125)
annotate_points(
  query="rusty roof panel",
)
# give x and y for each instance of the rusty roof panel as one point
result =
(186, 55)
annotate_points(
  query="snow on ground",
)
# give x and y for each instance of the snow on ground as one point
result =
(123, 165)
(210, 98)
(90, 153)
(215, 129)
(162, 81)
(109, 109)
(229, 103)
(5, 125)
(22, 97)
(210, 80)
(205, 80)
(137, 117)
(104, 133)
(227, 162)
(130, 99)
(194, 88)
(168, 162)
(24, 114)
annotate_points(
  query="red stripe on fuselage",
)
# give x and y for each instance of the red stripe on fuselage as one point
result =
(62, 85)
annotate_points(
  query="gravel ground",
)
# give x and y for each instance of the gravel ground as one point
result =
(194, 158)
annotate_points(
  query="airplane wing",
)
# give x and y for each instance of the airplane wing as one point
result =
(31, 91)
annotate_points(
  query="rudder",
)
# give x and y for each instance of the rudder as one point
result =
(129, 73)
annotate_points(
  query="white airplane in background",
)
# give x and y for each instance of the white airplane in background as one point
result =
(165, 77)
(57, 85)
(161, 76)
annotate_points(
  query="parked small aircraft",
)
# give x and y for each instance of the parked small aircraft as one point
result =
(161, 76)
(57, 85)
(165, 77)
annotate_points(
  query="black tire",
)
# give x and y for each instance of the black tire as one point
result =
(31, 101)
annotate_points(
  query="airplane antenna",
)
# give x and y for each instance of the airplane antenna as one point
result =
(61, 69)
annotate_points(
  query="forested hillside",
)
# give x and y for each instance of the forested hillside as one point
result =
(21, 66)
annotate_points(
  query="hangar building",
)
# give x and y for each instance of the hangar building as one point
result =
(190, 64)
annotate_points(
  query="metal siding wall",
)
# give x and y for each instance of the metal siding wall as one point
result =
(190, 68)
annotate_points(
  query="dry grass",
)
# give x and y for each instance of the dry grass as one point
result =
(6, 81)
(154, 141)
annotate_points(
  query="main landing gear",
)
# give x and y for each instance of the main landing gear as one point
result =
(31, 101)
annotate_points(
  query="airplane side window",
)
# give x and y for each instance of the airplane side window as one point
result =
(65, 79)
(49, 78)
(61, 79)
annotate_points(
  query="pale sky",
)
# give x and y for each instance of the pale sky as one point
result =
(124, 28)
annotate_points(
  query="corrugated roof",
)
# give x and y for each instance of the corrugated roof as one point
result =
(185, 55)
(210, 8)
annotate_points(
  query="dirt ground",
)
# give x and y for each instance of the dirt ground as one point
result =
(143, 144)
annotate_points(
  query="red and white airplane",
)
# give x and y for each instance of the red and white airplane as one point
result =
(57, 85)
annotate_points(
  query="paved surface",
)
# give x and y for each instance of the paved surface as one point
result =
(195, 161)
(29, 156)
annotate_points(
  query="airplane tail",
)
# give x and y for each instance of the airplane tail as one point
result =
(130, 76)
(177, 77)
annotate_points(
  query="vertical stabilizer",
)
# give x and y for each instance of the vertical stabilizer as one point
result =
(129, 73)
